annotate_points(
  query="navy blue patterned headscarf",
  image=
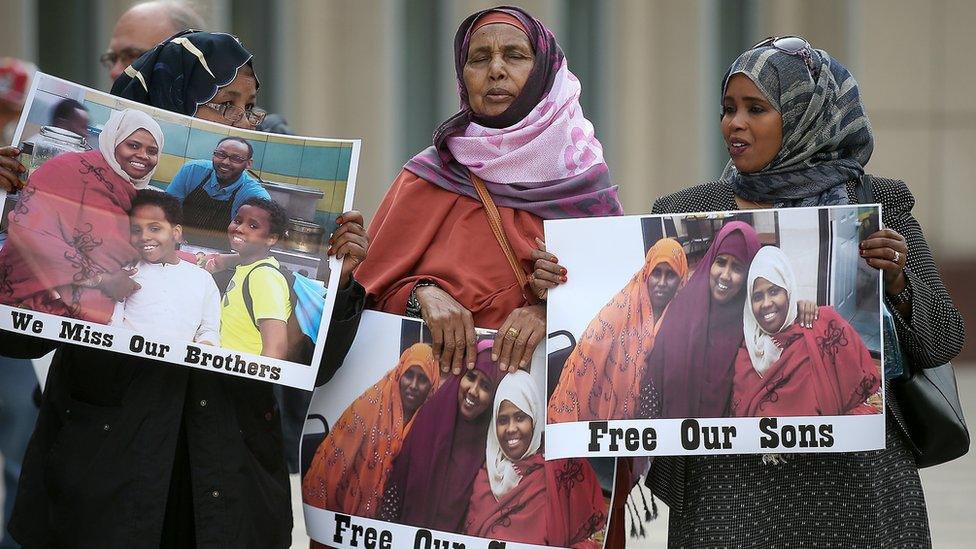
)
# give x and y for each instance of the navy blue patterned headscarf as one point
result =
(827, 138)
(183, 72)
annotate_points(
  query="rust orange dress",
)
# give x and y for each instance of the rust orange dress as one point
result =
(421, 231)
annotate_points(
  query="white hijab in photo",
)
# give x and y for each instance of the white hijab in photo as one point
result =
(773, 265)
(121, 124)
(520, 389)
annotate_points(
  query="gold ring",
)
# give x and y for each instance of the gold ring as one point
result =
(512, 334)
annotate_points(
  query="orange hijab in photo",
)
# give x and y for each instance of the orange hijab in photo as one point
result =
(350, 467)
(601, 377)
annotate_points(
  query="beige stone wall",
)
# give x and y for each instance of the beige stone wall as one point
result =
(919, 78)
(17, 29)
(656, 118)
(336, 65)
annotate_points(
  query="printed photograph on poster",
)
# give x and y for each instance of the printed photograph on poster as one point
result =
(393, 446)
(715, 333)
(151, 233)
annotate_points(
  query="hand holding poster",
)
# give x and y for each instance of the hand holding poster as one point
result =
(725, 333)
(154, 234)
(398, 451)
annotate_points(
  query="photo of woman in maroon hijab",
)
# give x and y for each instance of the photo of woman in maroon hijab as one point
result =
(68, 248)
(785, 369)
(689, 371)
(433, 475)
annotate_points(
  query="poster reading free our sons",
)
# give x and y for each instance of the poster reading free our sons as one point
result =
(149, 233)
(715, 333)
(396, 453)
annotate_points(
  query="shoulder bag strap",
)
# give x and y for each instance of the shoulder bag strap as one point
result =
(495, 221)
(246, 290)
(865, 190)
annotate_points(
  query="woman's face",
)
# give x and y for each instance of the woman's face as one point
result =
(242, 92)
(414, 386)
(770, 304)
(514, 430)
(475, 394)
(663, 284)
(752, 128)
(726, 278)
(137, 154)
(499, 61)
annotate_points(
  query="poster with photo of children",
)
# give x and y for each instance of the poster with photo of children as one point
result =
(716, 333)
(399, 454)
(151, 233)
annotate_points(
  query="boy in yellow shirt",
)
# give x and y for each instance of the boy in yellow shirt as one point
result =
(258, 225)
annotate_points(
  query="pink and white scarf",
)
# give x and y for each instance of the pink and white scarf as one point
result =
(553, 142)
(548, 162)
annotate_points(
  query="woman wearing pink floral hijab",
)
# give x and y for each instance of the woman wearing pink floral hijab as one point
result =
(521, 132)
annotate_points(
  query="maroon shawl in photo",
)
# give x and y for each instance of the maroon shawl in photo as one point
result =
(70, 224)
(823, 371)
(557, 503)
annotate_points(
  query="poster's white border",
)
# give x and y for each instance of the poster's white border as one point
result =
(292, 374)
(182, 352)
(849, 433)
(321, 527)
(733, 435)
(320, 523)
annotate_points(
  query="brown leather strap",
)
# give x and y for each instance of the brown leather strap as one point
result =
(495, 221)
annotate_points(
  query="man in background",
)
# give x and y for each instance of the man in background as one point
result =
(142, 27)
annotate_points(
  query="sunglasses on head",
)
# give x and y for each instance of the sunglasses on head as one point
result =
(792, 45)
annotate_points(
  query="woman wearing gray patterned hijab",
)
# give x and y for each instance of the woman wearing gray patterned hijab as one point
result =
(826, 136)
(797, 135)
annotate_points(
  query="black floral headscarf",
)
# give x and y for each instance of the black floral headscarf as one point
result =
(183, 72)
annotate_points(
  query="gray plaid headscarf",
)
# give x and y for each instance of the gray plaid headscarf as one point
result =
(827, 138)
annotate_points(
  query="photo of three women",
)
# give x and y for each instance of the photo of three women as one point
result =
(728, 337)
(469, 446)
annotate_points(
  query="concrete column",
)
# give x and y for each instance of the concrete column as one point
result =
(336, 63)
(18, 30)
(656, 127)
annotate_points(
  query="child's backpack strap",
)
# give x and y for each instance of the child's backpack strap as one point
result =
(246, 290)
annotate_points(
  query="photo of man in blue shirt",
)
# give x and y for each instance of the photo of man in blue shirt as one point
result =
(211, 191)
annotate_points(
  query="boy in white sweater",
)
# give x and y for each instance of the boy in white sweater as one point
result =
(177, 299)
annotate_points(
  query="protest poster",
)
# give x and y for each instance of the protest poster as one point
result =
(396, 453)
(94, 253)
(715, 333)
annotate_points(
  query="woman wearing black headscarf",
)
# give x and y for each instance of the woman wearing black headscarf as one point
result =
(798, 135)
(128, 452)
